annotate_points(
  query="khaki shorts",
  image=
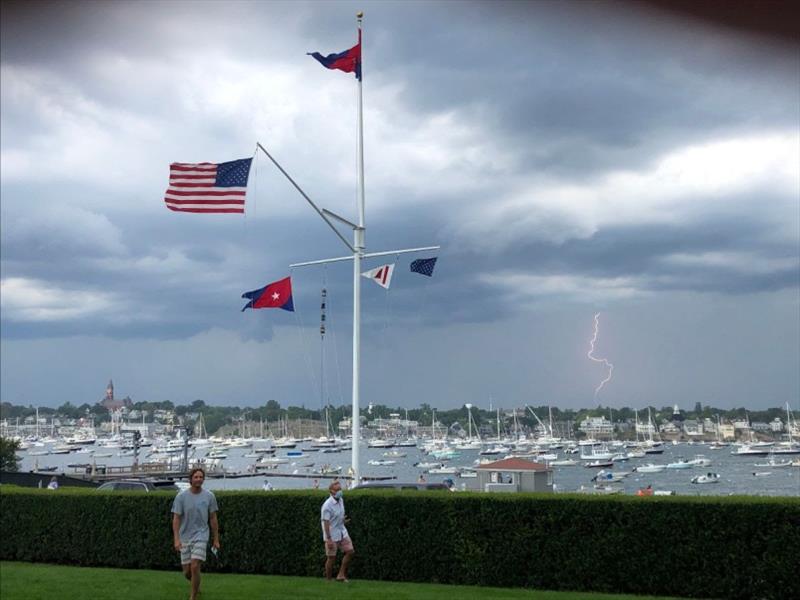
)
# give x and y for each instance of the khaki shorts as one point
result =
(345, 545)
(193, 550)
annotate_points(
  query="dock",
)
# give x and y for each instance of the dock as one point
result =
(103, 473)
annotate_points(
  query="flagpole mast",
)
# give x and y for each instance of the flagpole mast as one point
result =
(358, 251)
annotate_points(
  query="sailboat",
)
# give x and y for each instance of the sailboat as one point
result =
(791, 446)
(409, 442)
(718, 443)
(328, 441)
(200, 434)
(652, 446)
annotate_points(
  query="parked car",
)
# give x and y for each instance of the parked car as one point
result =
(137, 485)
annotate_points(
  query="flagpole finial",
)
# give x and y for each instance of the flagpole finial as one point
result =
(360, 15)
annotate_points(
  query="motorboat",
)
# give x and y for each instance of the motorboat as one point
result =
(650, 468)
(598, 464)
(329, 470)
(700, 461)
(428, 465)
(773, 463)
(380, 443)
(381, 463)
(752, 450)
(443, 471)
(680, 464)
(285, 443)
(604, 476)
(272, 460)
(567, 462)
(707, 478)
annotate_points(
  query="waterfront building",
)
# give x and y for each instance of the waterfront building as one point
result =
(693, 428)
(645, 429)
(514, 475)
(670, 428)
(727, 431)
(596, 427)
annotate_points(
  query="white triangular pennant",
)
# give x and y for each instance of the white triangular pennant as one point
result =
(381, 275)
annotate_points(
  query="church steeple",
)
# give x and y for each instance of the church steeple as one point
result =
(110, 390)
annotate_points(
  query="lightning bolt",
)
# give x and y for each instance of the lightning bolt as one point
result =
(600, 360)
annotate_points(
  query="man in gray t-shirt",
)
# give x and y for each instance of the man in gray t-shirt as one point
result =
(192, 512)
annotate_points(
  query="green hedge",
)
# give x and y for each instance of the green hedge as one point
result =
(735, 547)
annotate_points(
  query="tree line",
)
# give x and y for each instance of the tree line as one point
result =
(272, 411)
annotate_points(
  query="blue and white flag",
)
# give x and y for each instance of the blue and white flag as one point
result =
(424, 266)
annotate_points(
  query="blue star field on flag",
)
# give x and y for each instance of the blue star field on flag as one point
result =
(424, 266)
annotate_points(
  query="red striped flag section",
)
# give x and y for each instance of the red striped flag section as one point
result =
(214, 188)
(381, 275)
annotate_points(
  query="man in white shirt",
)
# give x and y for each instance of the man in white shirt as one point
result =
(334, 532)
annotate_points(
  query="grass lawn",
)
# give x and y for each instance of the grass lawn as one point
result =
(26, 581)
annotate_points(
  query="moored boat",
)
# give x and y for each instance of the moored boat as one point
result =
(650, 468)
(707, 478)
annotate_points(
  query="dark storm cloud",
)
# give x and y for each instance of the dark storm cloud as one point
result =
(535, 97)
(577, 88)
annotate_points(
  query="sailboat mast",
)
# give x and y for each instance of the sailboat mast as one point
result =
(323, 406)
(359, 246)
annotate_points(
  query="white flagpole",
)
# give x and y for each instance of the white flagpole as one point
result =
(359, 242)
(358, 250)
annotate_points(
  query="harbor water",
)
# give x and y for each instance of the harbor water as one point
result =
(738, 474)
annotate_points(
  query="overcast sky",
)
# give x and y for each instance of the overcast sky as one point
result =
(570, 159)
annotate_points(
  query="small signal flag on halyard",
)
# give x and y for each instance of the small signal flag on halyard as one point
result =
(424, 266)
(380, 275)
(348, 61)
(214, 188)
(277, 294)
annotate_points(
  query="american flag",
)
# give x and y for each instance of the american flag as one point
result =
(208, 187)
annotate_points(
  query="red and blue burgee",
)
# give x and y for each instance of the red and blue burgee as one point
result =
(348, 61)
(273, 295)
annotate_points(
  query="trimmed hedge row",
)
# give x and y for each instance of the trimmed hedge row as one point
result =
(735, 547)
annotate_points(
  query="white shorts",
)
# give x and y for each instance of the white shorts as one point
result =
(193, 550)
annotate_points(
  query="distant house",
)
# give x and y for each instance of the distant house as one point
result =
(670, 428)
(693, 427)
(776, 425)
(596, 426)
(645, 428)
(727, 431)
(514, 475)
